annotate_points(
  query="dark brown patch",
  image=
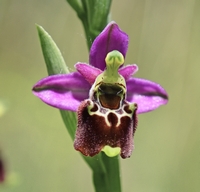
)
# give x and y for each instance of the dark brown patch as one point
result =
(127, 109)
(95, 108)
(109, 97)
(112, 118)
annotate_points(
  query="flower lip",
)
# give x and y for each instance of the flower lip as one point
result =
(114, 128)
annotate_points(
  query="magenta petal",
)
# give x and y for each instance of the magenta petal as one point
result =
(128, 71)
(111, 38)
(147, 94)
(89, 72)
(63, 91)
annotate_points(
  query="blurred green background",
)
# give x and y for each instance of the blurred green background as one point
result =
(164, 42)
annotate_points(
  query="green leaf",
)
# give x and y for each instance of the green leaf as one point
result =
(53, 58)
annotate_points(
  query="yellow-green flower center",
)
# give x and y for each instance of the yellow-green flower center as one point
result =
(114, 60)
(110, 86)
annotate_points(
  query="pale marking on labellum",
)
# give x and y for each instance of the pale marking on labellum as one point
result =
(119, 113)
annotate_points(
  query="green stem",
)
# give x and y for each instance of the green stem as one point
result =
(113, 172)
(88, 35)
(110, 181)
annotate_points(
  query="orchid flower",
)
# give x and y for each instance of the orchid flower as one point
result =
(104, 94)
(2, 171)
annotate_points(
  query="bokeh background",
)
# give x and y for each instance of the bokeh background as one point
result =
(34, 144)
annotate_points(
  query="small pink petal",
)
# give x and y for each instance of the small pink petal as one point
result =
(89, 72)
(128, 71)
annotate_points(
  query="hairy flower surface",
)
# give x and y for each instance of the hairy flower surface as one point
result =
(104, 94)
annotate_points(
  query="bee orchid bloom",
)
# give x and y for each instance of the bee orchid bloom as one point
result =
(2, 171)
(104, 94)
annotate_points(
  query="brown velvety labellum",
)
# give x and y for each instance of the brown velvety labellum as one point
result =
(97, 130)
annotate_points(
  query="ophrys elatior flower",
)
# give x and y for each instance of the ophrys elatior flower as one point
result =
(2, 171)
(104, 94)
